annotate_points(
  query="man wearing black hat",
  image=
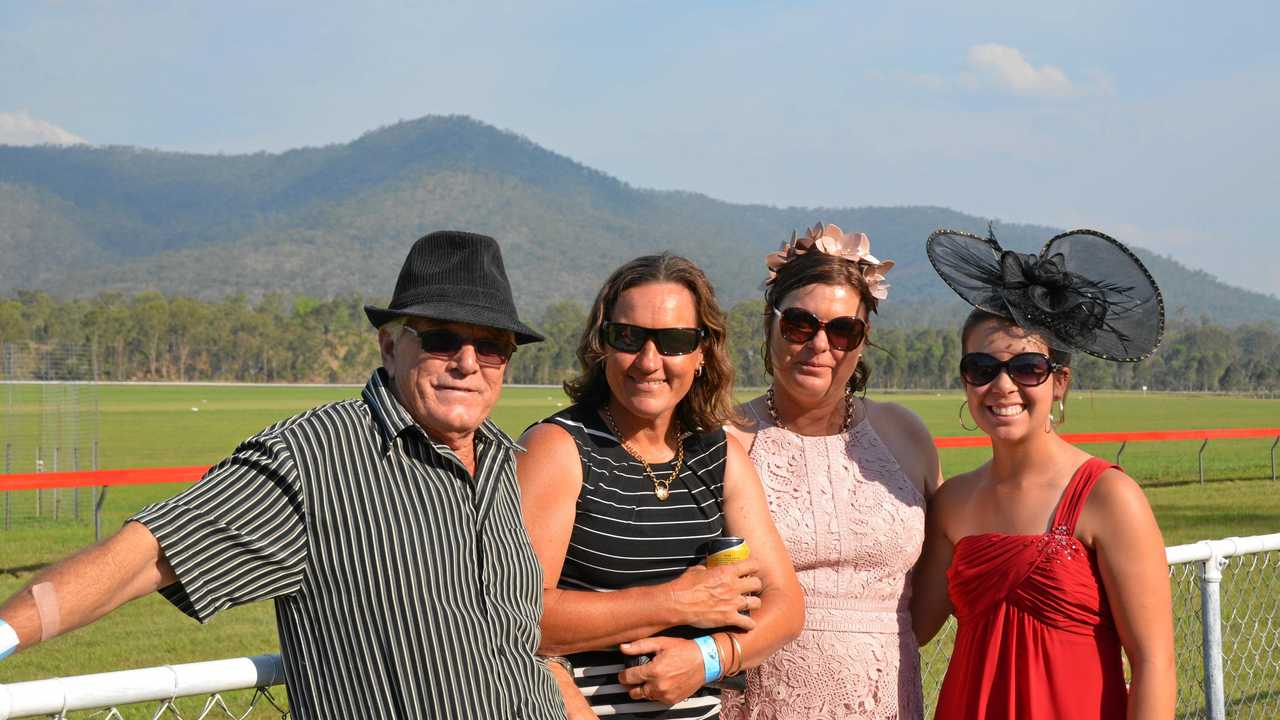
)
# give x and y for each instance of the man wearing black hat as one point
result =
(386, 528)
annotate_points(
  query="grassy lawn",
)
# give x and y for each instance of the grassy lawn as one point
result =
(188, 425)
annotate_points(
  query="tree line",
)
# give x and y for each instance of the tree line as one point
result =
(277, 338)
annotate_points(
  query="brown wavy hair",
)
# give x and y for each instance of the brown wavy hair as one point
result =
(818, 268)
(709, 403)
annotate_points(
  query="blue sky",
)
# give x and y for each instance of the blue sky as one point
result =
(1156, 122)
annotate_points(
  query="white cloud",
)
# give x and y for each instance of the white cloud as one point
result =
(21, 128)
(992, 65)
(1006, 68)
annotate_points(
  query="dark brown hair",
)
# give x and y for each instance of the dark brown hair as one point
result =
(817, 268)
(979, 316)
(709, 402)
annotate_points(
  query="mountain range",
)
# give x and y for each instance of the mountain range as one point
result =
(75, 221)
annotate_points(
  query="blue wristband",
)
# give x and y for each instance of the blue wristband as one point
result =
(710, 658)
(8, 640)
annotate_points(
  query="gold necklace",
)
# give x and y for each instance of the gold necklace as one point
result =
(773, 412)
(661, 488)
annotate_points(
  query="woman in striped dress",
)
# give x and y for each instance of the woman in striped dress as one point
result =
(620, 492)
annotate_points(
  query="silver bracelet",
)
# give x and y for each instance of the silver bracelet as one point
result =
(560, 660)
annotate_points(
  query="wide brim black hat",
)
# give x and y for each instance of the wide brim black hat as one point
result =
(455, 276)
(1085, 291)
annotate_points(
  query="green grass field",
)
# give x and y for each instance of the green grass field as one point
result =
(189, 425)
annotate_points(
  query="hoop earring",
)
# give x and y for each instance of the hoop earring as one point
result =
(697, 372)
(963, 406)
(1062, 415)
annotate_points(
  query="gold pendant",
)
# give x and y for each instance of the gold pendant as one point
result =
(662, 492)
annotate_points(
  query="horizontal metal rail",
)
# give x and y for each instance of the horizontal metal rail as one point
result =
(1229, 547)
(58, 696)
(956, 441)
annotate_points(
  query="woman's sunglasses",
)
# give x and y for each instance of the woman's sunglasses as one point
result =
(669, 341)
(1027, 369)
(798, 325)
(443, 343)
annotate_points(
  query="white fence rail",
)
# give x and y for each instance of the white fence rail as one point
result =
(56, 697)
(1231, 585)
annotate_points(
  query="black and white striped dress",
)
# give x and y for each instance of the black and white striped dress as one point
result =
(624, 536)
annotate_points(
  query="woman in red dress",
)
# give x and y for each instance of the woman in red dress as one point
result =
(1050, 559)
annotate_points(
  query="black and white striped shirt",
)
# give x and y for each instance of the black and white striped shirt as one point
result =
(404, 586)
(624, 536)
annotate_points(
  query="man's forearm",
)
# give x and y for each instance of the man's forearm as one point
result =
(83, 587)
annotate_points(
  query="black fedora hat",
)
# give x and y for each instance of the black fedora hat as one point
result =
(457, 277)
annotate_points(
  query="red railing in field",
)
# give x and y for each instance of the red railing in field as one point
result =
(150, 476)
(101, 478)
(1126, 437)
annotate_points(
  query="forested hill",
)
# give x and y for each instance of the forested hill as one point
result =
(333, 220)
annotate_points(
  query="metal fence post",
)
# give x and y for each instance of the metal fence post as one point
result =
(1211, 617)
(57, 496)
(75, 493)
(39, 492)
(102, 497)
(1202, 447)
(8, 497)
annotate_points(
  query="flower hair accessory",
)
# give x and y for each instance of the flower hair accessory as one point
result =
(831, 240)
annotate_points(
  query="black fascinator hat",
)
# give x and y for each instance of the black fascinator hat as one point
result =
(1084, 291)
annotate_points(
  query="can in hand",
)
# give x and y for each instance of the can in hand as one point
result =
(727, 550)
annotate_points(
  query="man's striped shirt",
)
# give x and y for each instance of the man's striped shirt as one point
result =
(404, 586)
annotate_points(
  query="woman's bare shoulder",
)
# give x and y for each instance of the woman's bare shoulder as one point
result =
(958, 489)
(547, 438)
(746, 422)
(897, 419)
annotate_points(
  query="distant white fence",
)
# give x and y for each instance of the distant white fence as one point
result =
(1226, 603)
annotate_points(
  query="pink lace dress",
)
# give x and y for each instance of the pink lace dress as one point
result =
(854, 525)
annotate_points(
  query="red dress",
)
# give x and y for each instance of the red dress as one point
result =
(1035, 637)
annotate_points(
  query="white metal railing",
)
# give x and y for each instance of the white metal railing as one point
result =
(1254, 606)
(56, 697)
(1239, 671)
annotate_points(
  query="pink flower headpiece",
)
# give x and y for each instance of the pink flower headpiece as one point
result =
(831, 240)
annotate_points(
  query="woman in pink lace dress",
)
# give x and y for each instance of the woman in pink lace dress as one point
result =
(847, 480)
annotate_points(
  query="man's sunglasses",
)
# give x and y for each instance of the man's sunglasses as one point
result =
(444, 343)
(1027, 369)
(669, 341)
(798, 325)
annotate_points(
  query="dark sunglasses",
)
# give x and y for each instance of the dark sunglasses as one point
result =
(1027, 369)
(443, 343)
(798, 325)
(669, 341)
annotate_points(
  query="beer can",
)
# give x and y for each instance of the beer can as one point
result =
(726, 550)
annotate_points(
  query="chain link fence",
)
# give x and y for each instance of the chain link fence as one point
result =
(1250, 601)
(50, 423)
